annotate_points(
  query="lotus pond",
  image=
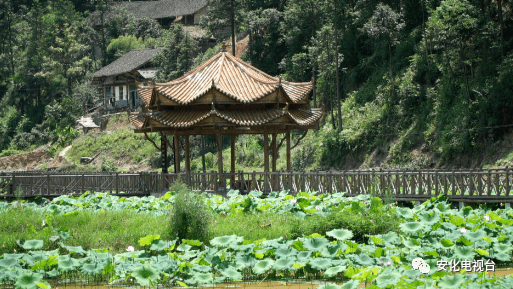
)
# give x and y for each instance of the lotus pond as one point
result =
(431, 231)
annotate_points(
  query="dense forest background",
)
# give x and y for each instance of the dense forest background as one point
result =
(394, 76)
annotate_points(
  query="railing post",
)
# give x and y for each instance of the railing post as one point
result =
(11, 186)
(82, 184)
(117, 183)
(215, 181)
(489, 183)
(436, 182)
(47, 184)
(507, 181)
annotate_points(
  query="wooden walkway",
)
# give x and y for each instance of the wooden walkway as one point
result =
(478, 186)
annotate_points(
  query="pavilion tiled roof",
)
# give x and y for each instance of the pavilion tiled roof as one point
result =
(186, 118)
(231, 76)
(137, 120)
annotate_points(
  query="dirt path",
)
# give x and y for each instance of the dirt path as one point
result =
(63, 152)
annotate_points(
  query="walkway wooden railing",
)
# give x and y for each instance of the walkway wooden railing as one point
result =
(494, 185)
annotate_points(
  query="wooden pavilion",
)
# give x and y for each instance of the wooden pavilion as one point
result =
(225, 96)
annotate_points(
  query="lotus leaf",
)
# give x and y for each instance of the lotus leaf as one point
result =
(412, 228)
(243, 248)
(464, 253)
(388, 278)
(92, 268)
(160, 245)
(225, 241)
(304, 256)
(449, 226)
(263, 266)
(430, 218)
(285, 252)
(315, 244)
(28, 280)
(231, 273)
(340, 234)
(351, 284)
(404, 213)
(245, 260)
(474, 236)
(184, 247)
(284, 264)
(503, 248)
(8, 263)
(256, 194)
(76, 249)
(391, 238)
(363, 260)
(331, 251)
(146, 275)
(201, 268)
(33, 244)
(320, 263)
(412, 274)
(451, 281)
(13, 256)
(334, 271)
(501, 256)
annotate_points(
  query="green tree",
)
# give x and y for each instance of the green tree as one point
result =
(66, 55)
(385, 22)
(177, 56)
(223, 14)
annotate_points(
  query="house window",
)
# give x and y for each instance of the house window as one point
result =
(121, 93)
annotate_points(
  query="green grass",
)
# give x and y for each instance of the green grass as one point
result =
(118, 230)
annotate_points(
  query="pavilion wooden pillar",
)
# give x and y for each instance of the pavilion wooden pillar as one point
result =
(287, 138)
(232, 161)
(275, 155)
(266, 152)
(187, 160)
(219, 139)
(177, 153)
(266, 160)
(163, 152)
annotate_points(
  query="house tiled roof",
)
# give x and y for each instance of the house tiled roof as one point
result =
(155, 9)
(186, 118)
(132, 60)
(231, 76)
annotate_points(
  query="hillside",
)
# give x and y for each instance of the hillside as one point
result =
(120, 149)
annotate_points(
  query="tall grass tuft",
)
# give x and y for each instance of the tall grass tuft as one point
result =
(190, 217)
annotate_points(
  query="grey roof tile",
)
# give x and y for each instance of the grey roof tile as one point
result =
(132, 60)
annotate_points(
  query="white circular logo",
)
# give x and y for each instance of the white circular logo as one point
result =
(416, 262)
(421, 265)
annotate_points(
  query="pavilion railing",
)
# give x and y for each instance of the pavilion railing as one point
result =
(493, 185)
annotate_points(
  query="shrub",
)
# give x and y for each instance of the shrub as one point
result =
(361, 224)
(190, 216)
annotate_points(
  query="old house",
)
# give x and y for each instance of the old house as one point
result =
(166, 12)
(119, 77)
